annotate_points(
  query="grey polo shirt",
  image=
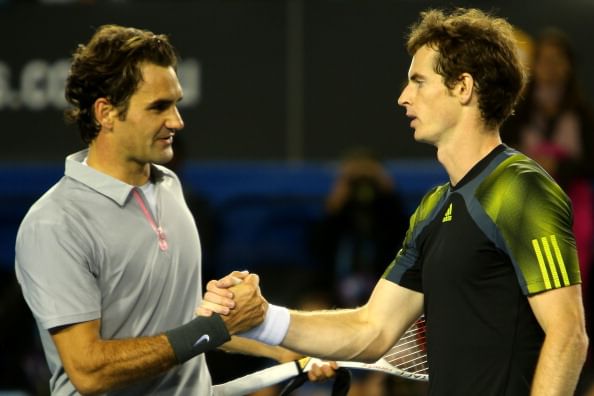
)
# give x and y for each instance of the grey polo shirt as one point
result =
(86, 250)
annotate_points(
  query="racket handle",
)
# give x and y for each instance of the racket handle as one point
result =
(258, 380)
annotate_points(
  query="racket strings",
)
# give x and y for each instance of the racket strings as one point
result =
(409, 353)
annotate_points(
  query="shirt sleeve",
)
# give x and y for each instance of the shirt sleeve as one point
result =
(534, 217)
(52, 266)
(406, 269)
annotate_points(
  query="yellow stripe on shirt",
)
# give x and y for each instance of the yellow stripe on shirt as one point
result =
(550, 261)
(560, 260)
(541, 263)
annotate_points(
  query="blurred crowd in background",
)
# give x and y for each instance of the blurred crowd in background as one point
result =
(364, 222)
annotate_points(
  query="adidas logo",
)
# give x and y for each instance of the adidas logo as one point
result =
(448, 215)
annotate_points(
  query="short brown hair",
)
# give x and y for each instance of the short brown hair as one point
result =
(471, 41)
(109, 66)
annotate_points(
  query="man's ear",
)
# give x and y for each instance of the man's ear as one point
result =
(464, 88)
(105, 113)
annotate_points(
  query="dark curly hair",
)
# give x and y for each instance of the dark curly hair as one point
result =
(108, 66)
(471, 41)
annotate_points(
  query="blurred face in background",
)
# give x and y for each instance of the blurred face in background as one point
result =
(551, 65)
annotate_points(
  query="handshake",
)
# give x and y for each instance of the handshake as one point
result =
(237, 298)
(246, 313)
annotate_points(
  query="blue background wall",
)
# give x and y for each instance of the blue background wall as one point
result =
(263, 210)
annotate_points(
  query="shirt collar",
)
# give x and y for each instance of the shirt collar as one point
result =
(480, 166)
(104, 184)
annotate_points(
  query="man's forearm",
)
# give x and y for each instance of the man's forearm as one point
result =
(364, 333)
(112, 364)
(337, 335)
(559, 365)
(96, 365)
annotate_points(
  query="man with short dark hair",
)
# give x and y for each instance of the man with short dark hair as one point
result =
(109, 259)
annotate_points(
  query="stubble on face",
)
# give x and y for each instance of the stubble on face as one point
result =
(152, 118)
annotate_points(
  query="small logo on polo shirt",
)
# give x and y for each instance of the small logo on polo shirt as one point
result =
(448, 215)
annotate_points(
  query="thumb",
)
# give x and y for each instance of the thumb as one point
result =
(201, 311)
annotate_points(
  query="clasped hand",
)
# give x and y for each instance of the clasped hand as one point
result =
(232, 293)
(237, 298)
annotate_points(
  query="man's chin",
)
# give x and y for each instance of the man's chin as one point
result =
(163, 158)
(419, 138)
(423, 139)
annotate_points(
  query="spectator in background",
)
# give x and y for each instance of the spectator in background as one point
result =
(364, 222)
(554, 125)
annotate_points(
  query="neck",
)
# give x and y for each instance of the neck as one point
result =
(108, 162)
(461, 153)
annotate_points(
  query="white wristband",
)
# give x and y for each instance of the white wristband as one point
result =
(273, 329)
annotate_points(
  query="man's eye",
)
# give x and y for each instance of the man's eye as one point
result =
(160, 106)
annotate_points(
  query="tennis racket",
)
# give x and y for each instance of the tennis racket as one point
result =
(406, 359)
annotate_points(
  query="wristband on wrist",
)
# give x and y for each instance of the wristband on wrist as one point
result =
(273, 329)
(197, 336)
